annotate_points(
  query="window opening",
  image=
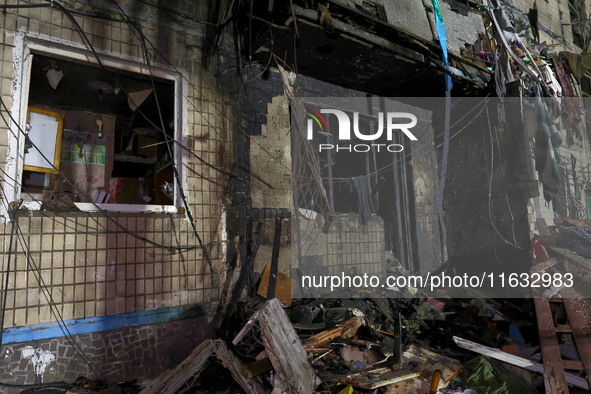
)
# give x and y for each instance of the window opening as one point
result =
(109, 148)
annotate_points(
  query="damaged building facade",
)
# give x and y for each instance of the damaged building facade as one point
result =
(152, 172)
(107, 233)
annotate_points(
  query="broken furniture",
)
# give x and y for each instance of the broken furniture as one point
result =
(170, 381)
(282, 347)
(428, 363)
(372, 379)
(347, 330)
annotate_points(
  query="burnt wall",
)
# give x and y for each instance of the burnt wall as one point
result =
(251, 92)
(486, 219)
(99, 264)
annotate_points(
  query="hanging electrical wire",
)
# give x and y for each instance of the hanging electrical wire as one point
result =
(143, 38)
(68, 13)
(102, 211)
(174, 168)
(236, 125)
(94, 230)
(179, 183)
(490, 181)
(55, 310)
(12, 212)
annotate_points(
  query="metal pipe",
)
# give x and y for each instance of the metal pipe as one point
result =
(368, 170)
(295, 152)
(401, 251)
(250, 33)
(329, 166)
(375, 167)
(407, 218)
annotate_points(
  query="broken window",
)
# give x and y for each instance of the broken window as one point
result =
(115, 146)
(387, 165)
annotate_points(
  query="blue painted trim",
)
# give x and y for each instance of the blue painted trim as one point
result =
(102, 323)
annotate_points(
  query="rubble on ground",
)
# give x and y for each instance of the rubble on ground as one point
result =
(365, 346)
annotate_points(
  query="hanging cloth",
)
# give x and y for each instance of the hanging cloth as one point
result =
(567, 88)
(364, 199)
(505, 26)
(548, 140)
(550, 79)
(442, 39)
(570, 101)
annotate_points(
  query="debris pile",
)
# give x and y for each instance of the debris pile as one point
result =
(275, 344)
(370, 346)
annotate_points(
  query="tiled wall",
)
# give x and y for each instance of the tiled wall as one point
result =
(460, 29)
(551, 15)
(411, 16)
(347, 244)
(90, 266)
(90, 271)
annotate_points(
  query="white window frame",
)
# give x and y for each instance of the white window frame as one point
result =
(26, 45)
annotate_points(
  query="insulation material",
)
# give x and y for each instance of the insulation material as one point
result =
(54, 77)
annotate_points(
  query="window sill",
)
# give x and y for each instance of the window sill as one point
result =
(123, 208)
